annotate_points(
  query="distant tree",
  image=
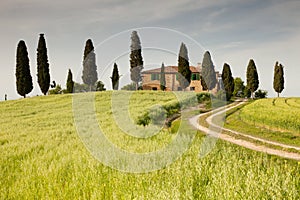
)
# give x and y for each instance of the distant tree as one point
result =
(89, 73)
(136, 59)
(278, 83)
(100, 86)
(130, 87)
(162, 77)
(246, 92)
(208, 71)
(43, 65)
(184, 71)
(252, 77)
(260, 94)
(204, 86)
(115, 77)
(228, 81)
(78, 88)
(56, 90)
(238, 87)
(23, 76)
(70, 82)
(53, 85)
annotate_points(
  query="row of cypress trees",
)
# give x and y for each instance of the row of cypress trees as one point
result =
(252, 79)
(23, 76)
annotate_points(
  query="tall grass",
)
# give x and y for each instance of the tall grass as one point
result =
(42, 157)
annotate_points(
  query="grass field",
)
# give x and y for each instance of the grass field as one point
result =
(42, 157)
(275, 119)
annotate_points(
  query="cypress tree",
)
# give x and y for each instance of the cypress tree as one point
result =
(228, 81)
(278, 83)
(203, 84)
(184, 71)
(89, 73)
(162, 77)
(70, 82)
(208, 71)
(252, 77)
(43, 65)
(115, 77)
(136, 59)
(23, 76)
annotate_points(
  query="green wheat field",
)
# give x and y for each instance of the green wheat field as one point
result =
(42, 156)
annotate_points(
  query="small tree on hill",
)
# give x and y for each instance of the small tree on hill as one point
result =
(184, 71)
(23, 76)
(208, 71)
(228, 81)
(70, 82)
(252, 77)
(115, 77)
(89, 73)
(43, 65)
(278, 83)
(136, 59)
(100, 86)
(238, 87)
(162, 77)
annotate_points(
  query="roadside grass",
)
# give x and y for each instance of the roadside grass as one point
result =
(42, 157)
(236, 122)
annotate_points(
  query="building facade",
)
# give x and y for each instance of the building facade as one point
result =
(151, 79)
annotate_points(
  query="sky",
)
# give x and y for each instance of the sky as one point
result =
(234, 31)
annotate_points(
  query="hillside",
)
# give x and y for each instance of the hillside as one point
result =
(42, 156)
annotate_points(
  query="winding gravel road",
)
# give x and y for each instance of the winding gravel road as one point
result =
(244, 143)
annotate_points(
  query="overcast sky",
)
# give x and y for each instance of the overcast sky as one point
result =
(234, 31)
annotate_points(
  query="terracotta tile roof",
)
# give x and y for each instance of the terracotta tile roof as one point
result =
(169, 69)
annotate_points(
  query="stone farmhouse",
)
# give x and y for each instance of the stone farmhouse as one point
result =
(151, 79)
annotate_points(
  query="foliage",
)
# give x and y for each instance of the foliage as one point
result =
(70, 82)
(136, 59)
(208, 71)
(246, 92)
(100, 86)
(89, 73)
(252, 77)
(278, 82)
(43, 65)
(203, 84)
(228, 81)
(43, 157)
(78, 88)
(203, 97)
(162, 77)
(184, 72)
(115, 77)
(144, 119)
(260, 94)
(23, 76)
(56, 90)
(238, 87)
(130, 86)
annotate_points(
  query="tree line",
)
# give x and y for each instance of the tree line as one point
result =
(232, 87)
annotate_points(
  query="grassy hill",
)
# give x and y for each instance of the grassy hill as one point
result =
(276, 119)
(42, 156)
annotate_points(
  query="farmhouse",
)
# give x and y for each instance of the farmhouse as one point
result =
(151, 79)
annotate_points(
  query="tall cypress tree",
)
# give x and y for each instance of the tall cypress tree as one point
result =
(70, 82)
(162, 77)
(252, 77)
(278, 83)
(228, 81)
(23, 76)
(115, 77)
(136, 59)
(208, 71)
(43, 65)
(89, 73)
(184, 71)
